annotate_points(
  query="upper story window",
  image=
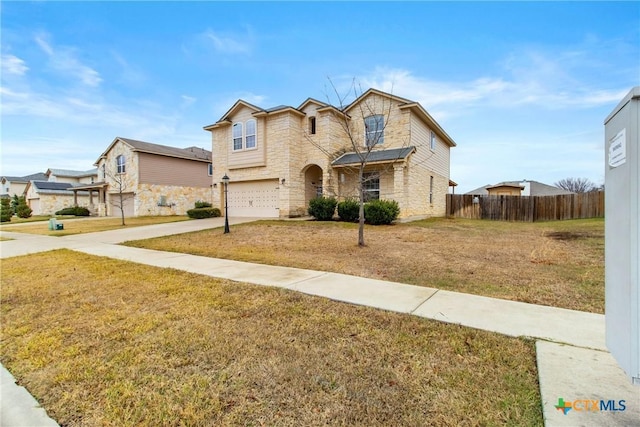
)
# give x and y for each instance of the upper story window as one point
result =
(312, 125)
(433, 141)
(250, 137)
(374, 130)
(120, 164)
(210, 169)
(237, 136)
(245, 135)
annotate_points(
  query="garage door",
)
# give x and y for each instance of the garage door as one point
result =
(254, 199)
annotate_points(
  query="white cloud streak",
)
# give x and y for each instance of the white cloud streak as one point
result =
(13, 65)
(64, 60)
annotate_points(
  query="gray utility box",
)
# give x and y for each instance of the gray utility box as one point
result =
(622, 234)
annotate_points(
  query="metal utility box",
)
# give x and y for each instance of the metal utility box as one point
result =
(622, 234)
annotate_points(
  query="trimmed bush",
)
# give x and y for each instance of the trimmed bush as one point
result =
(5, 210)
(200, 213)
(349, 210)
(323, 208)
(23, 211)
(379, 212)
(74, 210)
(201, 204)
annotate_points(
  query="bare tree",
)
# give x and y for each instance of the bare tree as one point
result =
(576, 185)
(120, 184)
(374, 116)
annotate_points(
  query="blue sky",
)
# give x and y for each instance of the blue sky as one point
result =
(523, 88)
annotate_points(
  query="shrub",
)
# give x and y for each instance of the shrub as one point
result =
(201, 204)
(23, 211)
(200, 213)
(5, 209)
(377, 212)
(74, 210)
(323, 208)
(349, 210)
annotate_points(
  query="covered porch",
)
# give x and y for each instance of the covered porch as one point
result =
(99, 208)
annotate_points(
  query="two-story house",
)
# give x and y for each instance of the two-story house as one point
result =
(278, 159)
(143, 178)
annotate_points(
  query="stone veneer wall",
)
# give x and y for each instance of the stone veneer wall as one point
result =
(179, 199)
(49, 204)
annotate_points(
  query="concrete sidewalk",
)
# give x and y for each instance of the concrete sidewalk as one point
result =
(573, 362)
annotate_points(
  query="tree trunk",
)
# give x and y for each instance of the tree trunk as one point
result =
(361, 211)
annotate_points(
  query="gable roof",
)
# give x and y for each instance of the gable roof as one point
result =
(190, 153)
(415, 107)
(38, 176)
(71, 173)
(379, 156)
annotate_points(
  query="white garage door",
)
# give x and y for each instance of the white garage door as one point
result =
(254, 199)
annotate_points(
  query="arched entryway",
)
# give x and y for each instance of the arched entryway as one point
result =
(312, 183)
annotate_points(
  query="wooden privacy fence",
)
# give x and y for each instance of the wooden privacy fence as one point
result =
(527, 208)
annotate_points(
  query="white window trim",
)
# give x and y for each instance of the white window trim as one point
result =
(378, 140)
(244, 135)
(121, 168)
(432, 142)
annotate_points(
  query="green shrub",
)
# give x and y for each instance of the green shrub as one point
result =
(74, 210)
(378, 212)
(5, 210)
(323, 208)
(202, 204)
(23, 211)
(200, 213)
(349, 210)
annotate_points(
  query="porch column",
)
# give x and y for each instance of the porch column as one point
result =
(75, 197)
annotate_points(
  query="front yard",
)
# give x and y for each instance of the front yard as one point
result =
(558, 263)
(81, 225)
(102, 342)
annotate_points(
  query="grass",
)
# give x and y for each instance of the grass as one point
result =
(103, 342)
(558, 263)
(80, 225)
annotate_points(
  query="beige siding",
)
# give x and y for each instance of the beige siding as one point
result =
(165, 170)
(436, 160)
(246, 157)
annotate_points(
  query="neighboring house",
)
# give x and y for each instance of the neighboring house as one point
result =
(48, 197)
(278, 159)
(518, 188)
(150, 179)
(16, 185)
(54, 192)
(72, 176)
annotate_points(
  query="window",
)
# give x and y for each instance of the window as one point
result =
(246, 140)
(210, 169)
(237, 136)
(374, 130)
(120, 164)
(431, 189)
(250, 137)
(433, 142)
(312, 125)
(371, 186)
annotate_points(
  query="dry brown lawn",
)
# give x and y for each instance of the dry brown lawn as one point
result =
(558, 263)
(79, 225)
(102, 342)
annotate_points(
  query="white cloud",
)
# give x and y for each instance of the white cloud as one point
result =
(13, 65)
(227, 44)
(64, 59)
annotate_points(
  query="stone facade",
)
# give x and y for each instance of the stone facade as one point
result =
(167, 186)
(297, 147)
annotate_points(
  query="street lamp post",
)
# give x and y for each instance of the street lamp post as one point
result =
(225, 181)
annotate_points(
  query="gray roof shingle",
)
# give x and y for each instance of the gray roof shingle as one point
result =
(391, 155)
